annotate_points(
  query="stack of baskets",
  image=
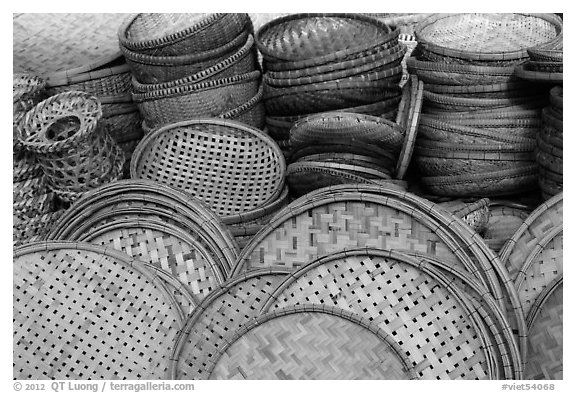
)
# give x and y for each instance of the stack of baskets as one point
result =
(79, 52)
(67, 137)
(326, 62)
(187, 66)
(477, 132)
(545, 64)
(550, 146)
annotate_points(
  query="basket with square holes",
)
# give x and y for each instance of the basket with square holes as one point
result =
(474, 38)
(66, 135)
(228, 165)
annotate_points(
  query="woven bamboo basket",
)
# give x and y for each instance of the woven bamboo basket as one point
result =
(304, 177)
(323, 283)
(523, 71)
(159, 69)
(33, 229)
(123, 122)
(111, 79)
(409, 118)
(501, 39)
(70, 278)
(310, 338)
(140, 198)
(452, 132)
(204, 99)
(389, 63)
(169, 34)
(67, 137)
(450, 103)
(304, 40)
(345, 152)
(487, 184)
(545, 348)
(328, 96)
(405, 23)
(27, 91)
(545, 66)
(497, 90)
(550, 51)
(501, 114)
(347, 127)
(25, 166)
(251, 175)
(476, 214)
(57, 45)
(504, 220)
(28, 208)
(459, 74)
(519, 126)
(28, 188)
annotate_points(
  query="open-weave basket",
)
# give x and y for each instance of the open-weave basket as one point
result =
(34, 229)
(27, 91)
(64, 44)
(204, 99)
(484, 38)
(173, 34)
(159, 69)
(314, 39)
(68, 304)
(230, 166)
(67, 137)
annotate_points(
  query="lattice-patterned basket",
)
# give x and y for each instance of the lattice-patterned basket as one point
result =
(25, 166)
(37, 205)
(69, 141)
(28, 188)
(545, 339)
(311, 344)
(159, 69)
(58, 45)
(501, 39)
(304, 40)
(150, 200)
(71, 293)
(170, 34)
(204, 99)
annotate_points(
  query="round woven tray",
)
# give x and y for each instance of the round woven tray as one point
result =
(410, 120)
(451, 103)
(545, 339)
(314, 39)
(497, 90)
(218, 316)
(311, 344)
(57, 44)
(501, 114)
(345, 127)
(500, 38)
(77, 301)
(203, 99)
(440, 166)
(489, 184)
(170, 34)
(249, 173)
(550, 51)
(523, 71)
(459, 74)
(159, 69)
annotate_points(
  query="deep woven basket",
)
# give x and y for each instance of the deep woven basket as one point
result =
(64, 44)
(230, 166)
(499, 38)
(489, 184)
(314, 39)
(169, 34)
(204, 99)
(67, 137)
(69, 280)
(159, 69)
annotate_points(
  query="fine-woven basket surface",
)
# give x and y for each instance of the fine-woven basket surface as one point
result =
(376, 285)
(299, 343)
(523, 71)
(86, 312)
(229, 166)
(34, 229)
(502, 223)
(49, 44)
(545, 339)
(217, 318)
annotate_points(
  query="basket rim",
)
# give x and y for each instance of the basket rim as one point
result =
(468, 89)
(522, 71)
(541, 301)
(516, 147)
(518, 54)
(353, 169)
(443, 99)
(415, 65)
(525, 170)
(390, 34)
(412, 123)
(262, 211)
(87, 76)
(165, 40)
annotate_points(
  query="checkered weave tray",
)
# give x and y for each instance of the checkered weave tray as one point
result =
(376, 285)
(310, 343)
(141, 197)
(546, 322)
(229, 166)
(84, 311)
(208, 329)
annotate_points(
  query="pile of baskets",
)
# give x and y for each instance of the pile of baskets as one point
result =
(545, 64)
(186, 66)
(477, 132)
(550, 146)
(325, 62)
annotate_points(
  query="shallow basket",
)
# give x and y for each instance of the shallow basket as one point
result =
(462, 104)
(228, 165)
(160, 69)
(313, 39)
(171, 34)
(500, 38)
(67, 137)
(204, 99)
